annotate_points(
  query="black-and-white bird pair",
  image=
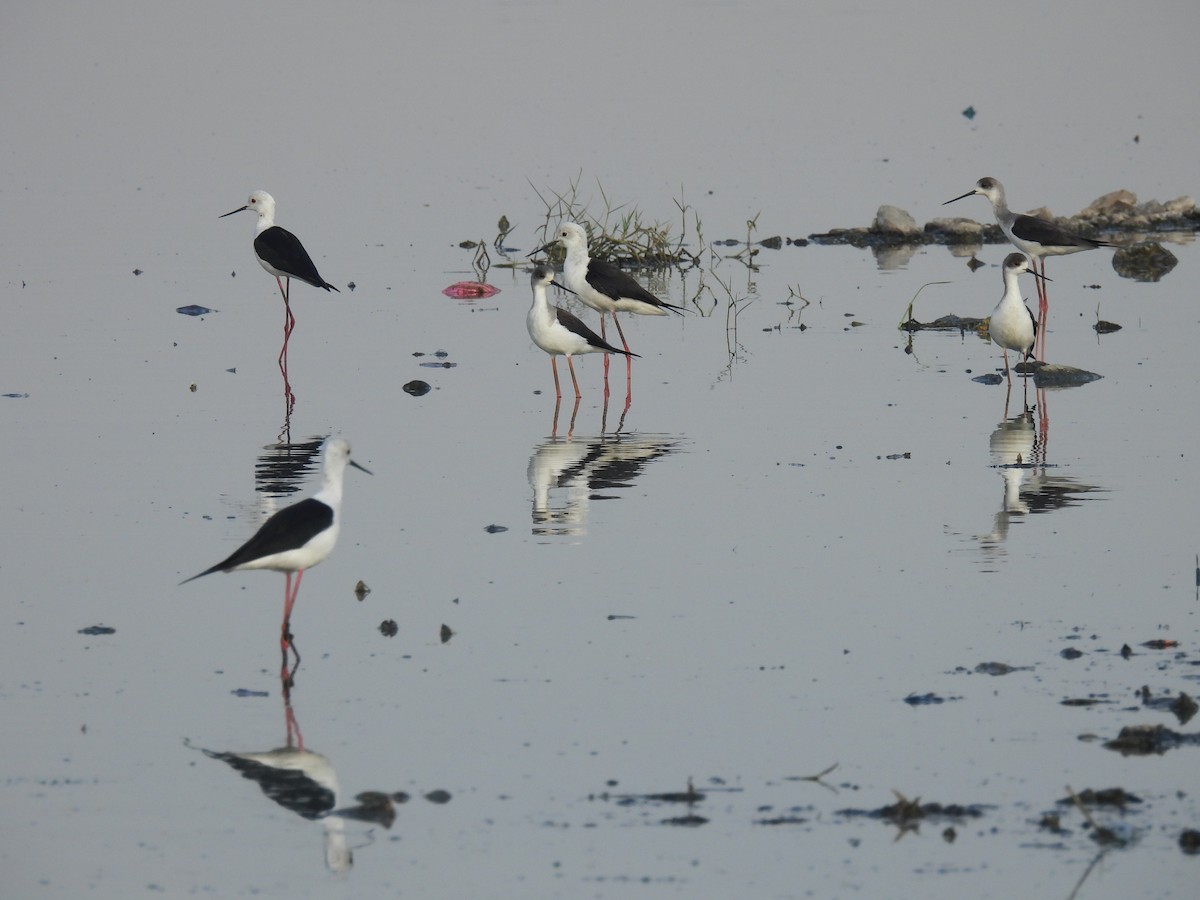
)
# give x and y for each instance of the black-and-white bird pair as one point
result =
(561, 333)
(601, 285)
(1032, 235)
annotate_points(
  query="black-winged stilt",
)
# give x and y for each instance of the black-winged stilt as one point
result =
(297, 537)
(1037, 237)
(559, 332)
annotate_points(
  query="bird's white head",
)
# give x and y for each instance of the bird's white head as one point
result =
(987, 187)
(260, 202)
(1017, 263)
(543, 277)
(572, 234)
(990, 188)
(337, 456)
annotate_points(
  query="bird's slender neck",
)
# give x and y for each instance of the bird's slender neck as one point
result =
(1012, 286)
(999, 204)
(577, 257)
(266, 219)
(541, 305)
(331, 491)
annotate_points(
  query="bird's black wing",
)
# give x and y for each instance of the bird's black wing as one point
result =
(288, 529)
(1050, 234)
(283, 250)
(574, 324)
(617, 284)
(292, 789)
(1033, 319)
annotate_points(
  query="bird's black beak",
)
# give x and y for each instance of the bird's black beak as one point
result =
(545, 248)
(1038, 275)
(563, 287)
(238, 210)
(352, 462)
(967, 194)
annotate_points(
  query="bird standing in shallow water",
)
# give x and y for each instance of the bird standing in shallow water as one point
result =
(1037, 237)
(601, 285)
(280, 253)
(297, 537)
(560, 333)
(1012, 326)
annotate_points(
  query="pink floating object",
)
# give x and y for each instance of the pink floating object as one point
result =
(470, 290)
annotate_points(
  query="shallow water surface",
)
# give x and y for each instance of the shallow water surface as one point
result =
(610, 651)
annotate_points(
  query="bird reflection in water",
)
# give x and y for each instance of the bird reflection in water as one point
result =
(1017, 448)
(305, 782)
(603, 417)
(567, 475)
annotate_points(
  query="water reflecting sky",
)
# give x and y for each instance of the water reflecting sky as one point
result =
(799, 527)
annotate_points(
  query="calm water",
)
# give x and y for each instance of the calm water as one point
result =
(795, 529)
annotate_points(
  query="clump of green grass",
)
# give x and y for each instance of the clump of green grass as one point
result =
(619, 234)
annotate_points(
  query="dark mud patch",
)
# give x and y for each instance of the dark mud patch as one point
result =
(1182, 706)
(1147, 262)
(929, 699)
(1150, 740)
(93, 630)
(1118, 797)
(908, 815)
(999, 668)
(690, 798)
(960, 324)
(1053, 375)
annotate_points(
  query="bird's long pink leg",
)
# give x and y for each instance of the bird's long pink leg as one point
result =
(289, 601)
(295, 739)
(1043, 308)
(287, 593)
(554, 368)
(574, 380)
(624, 343)
(574, 411)
(1007, 374)
(289, 321)
(604, 338)
(628, 361)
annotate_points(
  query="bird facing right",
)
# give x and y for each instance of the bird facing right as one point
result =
(297, 537)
